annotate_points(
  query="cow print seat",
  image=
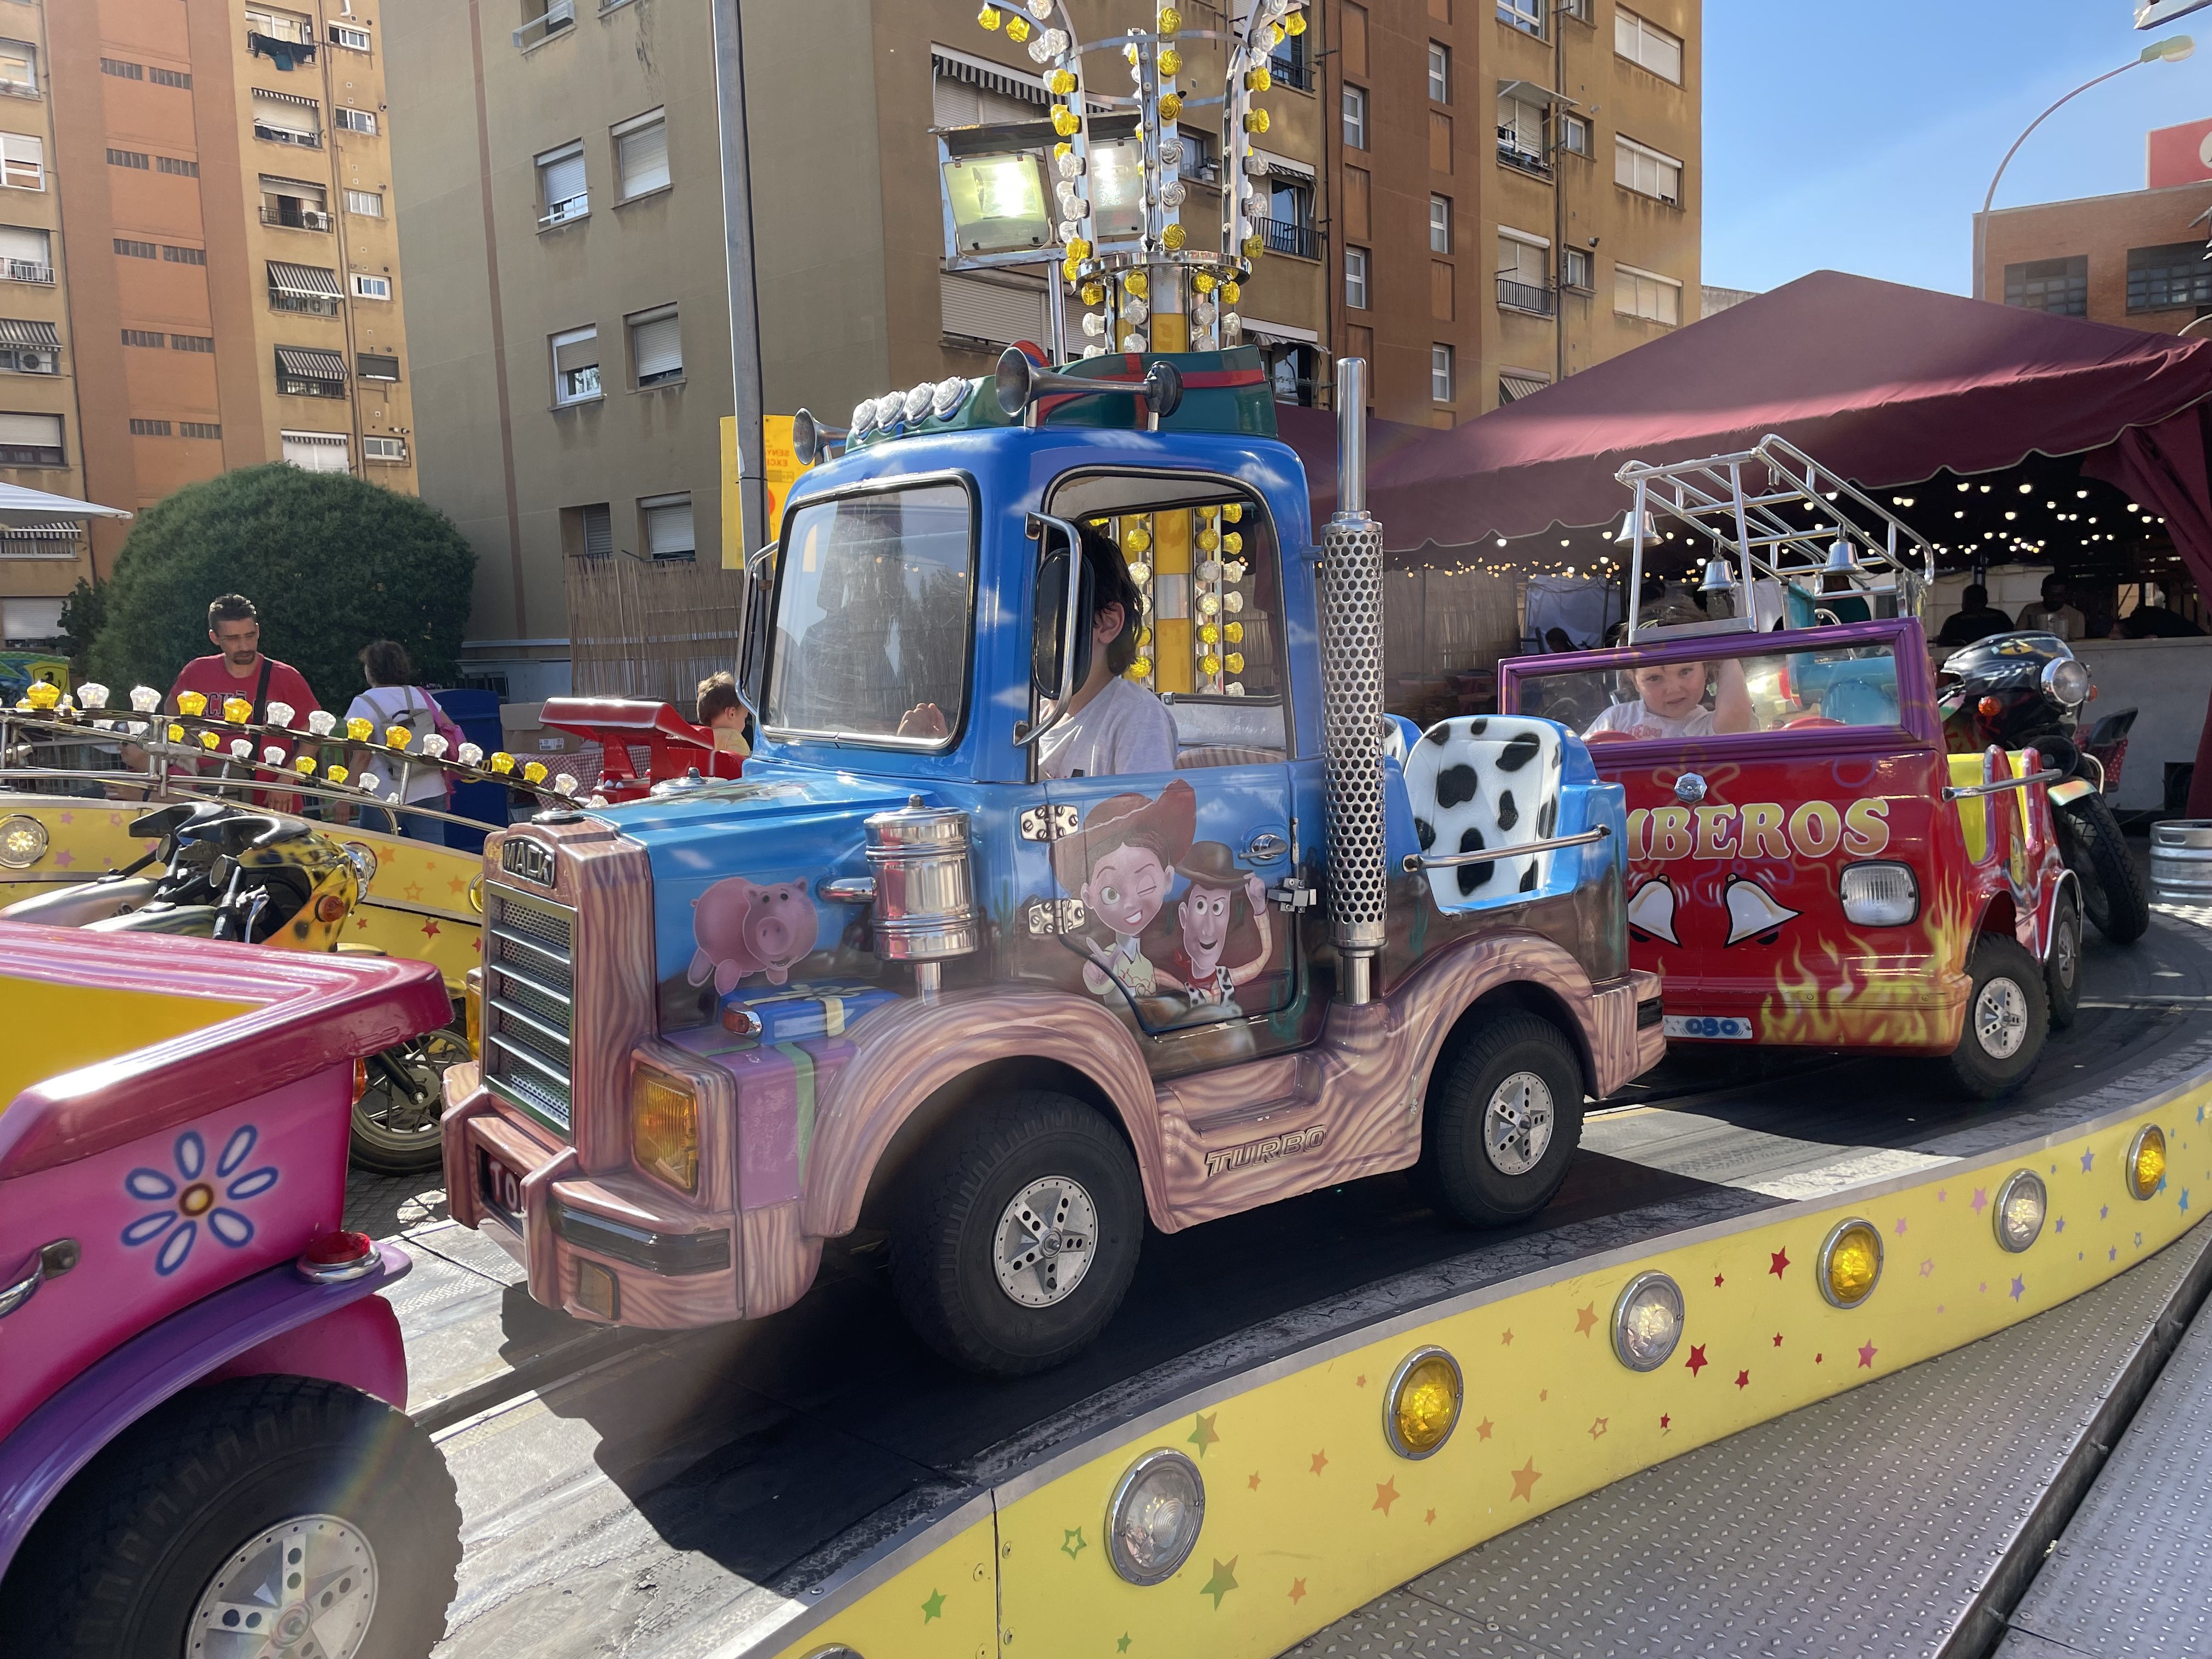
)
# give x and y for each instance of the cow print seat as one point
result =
(1484, 783)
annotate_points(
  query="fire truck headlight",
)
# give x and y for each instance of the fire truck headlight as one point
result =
(1850, 1263)
(1153, 1519)
(1647, 1321)
(22, 841)
(2020, 1208)
(2147, 1161)
(1879, 895)
(1422, 1407)
(663, 1128)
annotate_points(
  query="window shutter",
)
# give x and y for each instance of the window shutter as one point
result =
(18, 243)
(564, 179)
(283, 116)
(668, 530)
(658, 346)
(41, 430)
(572, 355)
(599, 533)
(644, 159)
(1000, 313)
(952, 103)
(316, 451)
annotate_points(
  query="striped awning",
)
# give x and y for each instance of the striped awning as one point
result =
(980, 72)
(23, 332)
(311, 363)
(276, 184)
(43, 532)
(303, 279)
(287, 97)
(1514, 384)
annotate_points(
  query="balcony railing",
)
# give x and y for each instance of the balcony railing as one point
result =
(306, 304)
(1288, 65)
(1533, 297)
(296, 218)
(1512, 152)
(559, 15)
(1287, 236)
(568, 208)
(287, 136)
(26, 270)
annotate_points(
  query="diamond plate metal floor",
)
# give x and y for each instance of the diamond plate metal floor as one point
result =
(2132, 1573)
(1873, 1524)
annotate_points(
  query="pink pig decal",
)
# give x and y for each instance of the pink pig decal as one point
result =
(745, 928)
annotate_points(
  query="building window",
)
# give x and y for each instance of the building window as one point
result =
(1524, 14)
(289, 27)
(284, 118)
(368, 204)
(295, 203)
(1290, 374)
(203, 344)
(310, 290)
(199, 429)
(1355, 117)
(1521, 136)
(19, 68)
(23, 162)
(1574, 269)
(122, 70)
(1514, 384)
(641, 154)
(27, 347)
(656, 347)
(144, 337)
(1642, 42)
(1289, 66)
(375, 366)
(162, 78)
(1440, 374)
(384, 449)
(355, 120)
(131, 250)
(666, 521)
(317, 451)
(1355, 278)
(26, 254)
(1439, 73)
(149, 429)
(1440, 238)
(1647, 294)
(366, 287)
(129, 158)
(1646, 171)
(352, 39)
(183, 256)
(31, 440)
(1288, 227)
(1575, 135)
(561, 192)
(595, 529)
(176, 166)
(575, 366)
(310, 372)
(2169, 278)
(2060, 287)
(1524, 275)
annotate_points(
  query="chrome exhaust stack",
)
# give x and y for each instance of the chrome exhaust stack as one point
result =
(1352, 699)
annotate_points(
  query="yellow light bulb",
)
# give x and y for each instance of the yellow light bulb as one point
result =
(1230, 293)
(1234, 633)
(176, 732)
(1234, 512)
(1065, 120)
(1078, 248)
(43, 695)
(1144, 639)
(1174, 236)
(1141, 669)
(1202, 281)
(1171, 61)
(1137, 540)
(305, 765)
(191, 702)
(1094, 293)
(1209, 664)
(1294, 23)
(1232, 542)
(1136, 283)
(1253, 249)
(990, 17)
(1273, 34)
(1170, 20)
(338, 774)
(1235, 661)
(1209, 539)
(1210, 634)
(1017, 29)
(1259, 80)
(359, 730)
(1071, 268)
(235, 709)
(1170, 106)
(208, 739)
(534, 771)
(398, 737)
(1061, 82)
(502, 762)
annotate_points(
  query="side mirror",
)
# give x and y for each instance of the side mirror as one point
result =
(1055, 633)
(752, 635)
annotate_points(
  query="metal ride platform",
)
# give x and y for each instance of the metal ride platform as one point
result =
(818, 1479)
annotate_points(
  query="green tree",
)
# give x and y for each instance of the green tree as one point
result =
(83, 613)
(329, 562)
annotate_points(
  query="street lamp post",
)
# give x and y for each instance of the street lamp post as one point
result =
(2172, 50)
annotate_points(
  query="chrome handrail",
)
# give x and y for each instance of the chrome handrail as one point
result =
(1966, 791)
(1418, 861)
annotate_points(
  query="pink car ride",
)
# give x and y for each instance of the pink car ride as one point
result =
(202, 1449)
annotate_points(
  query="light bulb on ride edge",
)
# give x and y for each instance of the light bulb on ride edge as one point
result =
(322, 722)
(145, 698)
(469, 754)
(435, 745)
(280, 713)
(359, 730)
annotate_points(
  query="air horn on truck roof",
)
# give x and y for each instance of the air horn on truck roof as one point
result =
(1020, 382)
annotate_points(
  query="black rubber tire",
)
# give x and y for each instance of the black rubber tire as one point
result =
(944, 1236)
(1456, 1171)
(381, 1149)
(1972, 1067)
(114, 1570)
(2096, 851)
(2062, 971)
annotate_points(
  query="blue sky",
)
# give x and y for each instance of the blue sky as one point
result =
(1859, 135)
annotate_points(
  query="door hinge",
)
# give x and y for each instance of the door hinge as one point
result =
(1293, 896)
(1054, 916)
(1047, 823)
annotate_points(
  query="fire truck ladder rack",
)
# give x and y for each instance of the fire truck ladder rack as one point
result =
(1799, 540)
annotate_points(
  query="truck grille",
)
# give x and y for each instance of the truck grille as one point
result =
(528, 1017)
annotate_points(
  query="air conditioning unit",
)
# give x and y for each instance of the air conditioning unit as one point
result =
(36, 360)
(315, 219)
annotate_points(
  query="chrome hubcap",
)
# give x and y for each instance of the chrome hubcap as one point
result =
(304, 1588)
(2001, 1019)
(1045, 1241)
(2064, 953)
(1516, 1125)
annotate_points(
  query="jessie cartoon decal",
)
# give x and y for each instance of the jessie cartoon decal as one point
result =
(1122, 864)
(1204, 918)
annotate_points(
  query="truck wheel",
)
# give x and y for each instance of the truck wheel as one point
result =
(396, 1122)
(2091, 842)
(1017, 1241)
(2008, 1016)
(269, 1514)
(1504, 1122)
(2062, 974)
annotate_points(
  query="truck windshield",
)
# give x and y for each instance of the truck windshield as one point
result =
(1731, 690)
(871, 617)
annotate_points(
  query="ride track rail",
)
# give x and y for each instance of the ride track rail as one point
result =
(773, 1488)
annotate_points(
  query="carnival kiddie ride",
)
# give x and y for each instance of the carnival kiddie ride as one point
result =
(1810, 866)
(87, 846)
(202, 1448)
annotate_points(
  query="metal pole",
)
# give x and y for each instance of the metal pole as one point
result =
(1558, 199)
(1981, 219)
(751, 408)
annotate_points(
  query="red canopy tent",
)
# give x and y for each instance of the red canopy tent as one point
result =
(1885, 384)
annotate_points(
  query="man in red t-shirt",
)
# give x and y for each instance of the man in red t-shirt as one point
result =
(239, 669)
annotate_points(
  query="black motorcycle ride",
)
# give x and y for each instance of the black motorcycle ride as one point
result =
(2025, 690)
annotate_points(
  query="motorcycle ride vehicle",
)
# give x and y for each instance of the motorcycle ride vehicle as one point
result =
(2026, 690)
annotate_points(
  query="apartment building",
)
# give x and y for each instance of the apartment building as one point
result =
(1479, 259)
(201, 269)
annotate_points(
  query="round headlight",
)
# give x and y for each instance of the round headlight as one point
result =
(1850, 1262)
(863, 416)
(2065, 681)
(1647, 1321)
(2146, 1157)
(1422, 1407)
(363, 857)
(917, 401)
(22, 841)
(949, 395)
(889, 408)
(1153, 1522)
(2020, 1204)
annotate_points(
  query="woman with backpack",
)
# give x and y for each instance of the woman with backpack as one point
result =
(393, 699)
